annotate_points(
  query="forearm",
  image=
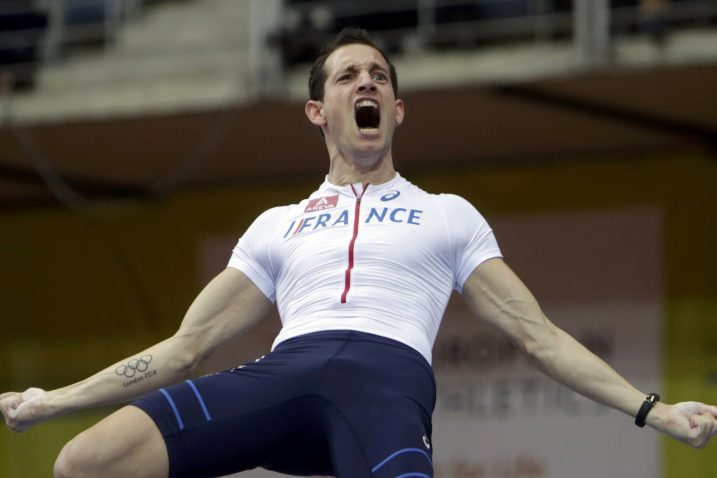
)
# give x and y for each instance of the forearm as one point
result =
(495, 294)
(228, 305)
(162, 364)
(564, 359)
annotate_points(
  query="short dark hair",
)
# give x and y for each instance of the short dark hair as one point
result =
(347, 36)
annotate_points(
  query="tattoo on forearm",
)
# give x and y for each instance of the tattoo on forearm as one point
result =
(136, 370)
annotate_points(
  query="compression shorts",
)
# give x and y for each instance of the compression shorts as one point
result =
(341, 403)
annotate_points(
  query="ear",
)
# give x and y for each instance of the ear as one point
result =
(315, 112)
(399, 112)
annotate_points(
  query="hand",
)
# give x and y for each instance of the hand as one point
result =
(693, 423)
(22, 410)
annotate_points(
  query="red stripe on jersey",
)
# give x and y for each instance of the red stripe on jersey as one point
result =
(357, 211)
(298, 226)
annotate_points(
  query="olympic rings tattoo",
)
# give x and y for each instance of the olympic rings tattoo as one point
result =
(133, 366)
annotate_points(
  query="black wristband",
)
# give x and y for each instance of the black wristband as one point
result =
(645, 409)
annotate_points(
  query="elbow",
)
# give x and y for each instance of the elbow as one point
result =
(539, 342)
(529, 329)
(186, 365)
(186, 359)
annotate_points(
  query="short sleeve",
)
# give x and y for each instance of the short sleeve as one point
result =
(472, 239)
(252, 253)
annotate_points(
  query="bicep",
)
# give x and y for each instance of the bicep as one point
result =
(496, 295)
(227, 306)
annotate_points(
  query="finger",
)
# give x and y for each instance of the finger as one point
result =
(6, 396)
(26, 408)
(696, 438)
(704, 408)
(697, 420)
(701, 417)
(9, 403)
(8, 412)
(709, 428)
(704, 427)
(701, 408)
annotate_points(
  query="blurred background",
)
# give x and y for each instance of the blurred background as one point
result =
(139, 138)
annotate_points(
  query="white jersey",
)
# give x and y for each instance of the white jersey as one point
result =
(381, 259)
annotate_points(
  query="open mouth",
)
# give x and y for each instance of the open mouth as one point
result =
(367, 115)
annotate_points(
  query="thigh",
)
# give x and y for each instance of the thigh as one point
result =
(395, 442)
(263, 414)
(384, 394)
(126, 443)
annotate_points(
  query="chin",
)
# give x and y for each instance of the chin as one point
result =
(370, 153)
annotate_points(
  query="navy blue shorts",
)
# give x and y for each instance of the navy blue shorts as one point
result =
(338, 403)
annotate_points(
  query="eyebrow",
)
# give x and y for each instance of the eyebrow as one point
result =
(353, 68)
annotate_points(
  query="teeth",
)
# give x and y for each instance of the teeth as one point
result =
(366, 103)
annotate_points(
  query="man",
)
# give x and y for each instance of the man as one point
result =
(361, 272)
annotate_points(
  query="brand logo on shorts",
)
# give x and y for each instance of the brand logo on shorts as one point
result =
(426, 442)
(321, 204)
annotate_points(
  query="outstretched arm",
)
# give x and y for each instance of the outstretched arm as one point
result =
(227, 306)
(495, 294)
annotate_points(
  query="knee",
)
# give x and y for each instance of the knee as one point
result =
(74, 460)
(116, 446)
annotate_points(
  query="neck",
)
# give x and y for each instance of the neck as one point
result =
(351, 170)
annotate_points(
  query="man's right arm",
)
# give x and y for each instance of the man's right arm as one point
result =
(226, 307)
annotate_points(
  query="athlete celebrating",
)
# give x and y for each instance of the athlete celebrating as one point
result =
(361, 272)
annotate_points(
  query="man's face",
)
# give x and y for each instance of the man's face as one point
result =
(359, 111)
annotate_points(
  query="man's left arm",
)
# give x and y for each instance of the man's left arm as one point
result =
(495, 294)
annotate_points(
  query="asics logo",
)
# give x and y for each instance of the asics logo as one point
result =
(390, 195)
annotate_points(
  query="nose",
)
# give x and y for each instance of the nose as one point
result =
(365, 82)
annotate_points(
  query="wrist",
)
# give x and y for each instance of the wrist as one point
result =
(56, 403)
(658, 415)
(645, 409)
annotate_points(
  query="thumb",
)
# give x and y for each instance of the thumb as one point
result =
(31, 399)
(695, 420)
(703, 423)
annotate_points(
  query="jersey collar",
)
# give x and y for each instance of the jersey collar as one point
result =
(396, 182)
